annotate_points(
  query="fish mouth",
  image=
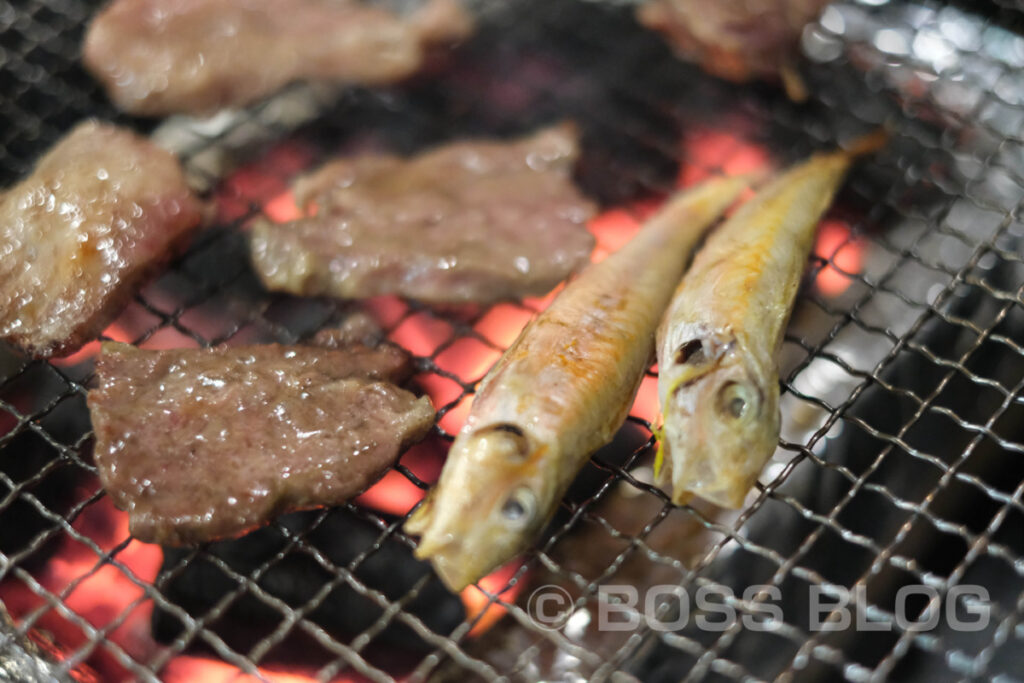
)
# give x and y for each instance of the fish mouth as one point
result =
(450, 563)
(421, 519)
(676, 489)
(445, 550)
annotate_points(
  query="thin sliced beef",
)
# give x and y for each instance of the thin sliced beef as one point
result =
(158, 57)
(201, 444)
(468, 221)
(356, 328)
(734, 39)
(102, 211)
(361, 336)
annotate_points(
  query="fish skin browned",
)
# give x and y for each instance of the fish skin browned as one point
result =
(469, 221)
(102, 211)
(561, 391)
(718, 378)
(158, 57)
(201, 444)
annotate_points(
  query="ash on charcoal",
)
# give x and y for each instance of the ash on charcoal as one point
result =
(34, 658)
(19, 659)
(297, 577)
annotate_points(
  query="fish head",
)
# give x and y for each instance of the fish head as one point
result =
(489, 506)
(720, 407)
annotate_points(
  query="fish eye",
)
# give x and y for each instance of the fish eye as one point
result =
(519, 507)
(691, 352)
(737, 400)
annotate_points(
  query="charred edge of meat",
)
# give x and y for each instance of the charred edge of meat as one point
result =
(91, 329)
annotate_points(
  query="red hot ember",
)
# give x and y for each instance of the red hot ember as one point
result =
(98, 593)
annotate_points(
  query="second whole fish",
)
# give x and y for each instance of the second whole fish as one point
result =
(558, 393)
(718, 380)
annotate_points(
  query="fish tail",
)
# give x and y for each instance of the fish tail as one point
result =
(792, 82)
(868, 143)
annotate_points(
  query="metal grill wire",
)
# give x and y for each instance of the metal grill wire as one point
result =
(944, 211)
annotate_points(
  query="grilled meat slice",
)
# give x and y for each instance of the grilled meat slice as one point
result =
(367, 350)
(201, 444)
(467, 221)
(735, 39)
(158, 57)
(356, 328)
(102, 211)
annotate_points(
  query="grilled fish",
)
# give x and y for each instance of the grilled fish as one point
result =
(718, 380)
(561, 390)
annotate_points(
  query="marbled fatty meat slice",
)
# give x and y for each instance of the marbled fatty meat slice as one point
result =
(201, 444)
(103, 210)
(470, 221)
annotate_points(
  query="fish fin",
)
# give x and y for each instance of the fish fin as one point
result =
(659, 455)
(793, 83)
(687, 374)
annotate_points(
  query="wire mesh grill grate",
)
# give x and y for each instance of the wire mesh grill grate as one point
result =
(903, 367)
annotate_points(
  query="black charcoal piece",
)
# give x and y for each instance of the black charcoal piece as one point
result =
(297, 577)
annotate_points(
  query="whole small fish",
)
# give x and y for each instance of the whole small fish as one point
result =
(718, 380)
(561, 391)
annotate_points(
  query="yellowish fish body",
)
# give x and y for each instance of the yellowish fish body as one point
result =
(718, 378)
(560, 392)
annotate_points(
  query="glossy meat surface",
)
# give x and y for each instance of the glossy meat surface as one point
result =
(734, 39)
(101, 211)
(366, 349)
(468, 221)
(201, 444)
(159, 57)
(356, 328)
